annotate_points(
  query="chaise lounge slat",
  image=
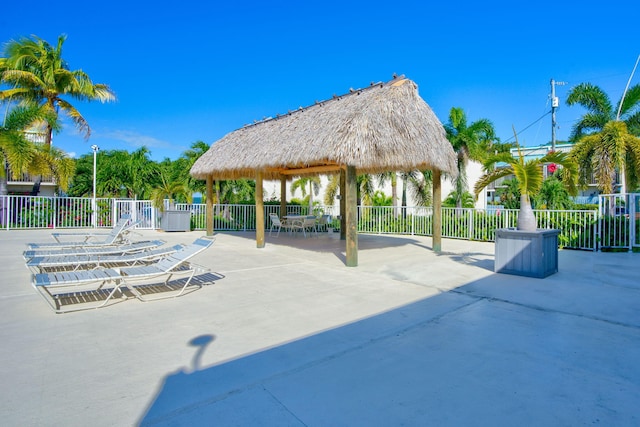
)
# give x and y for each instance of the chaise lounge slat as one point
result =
(117, 235)
(74, 277)
(44, 264)
(122, 222)
(122, 249)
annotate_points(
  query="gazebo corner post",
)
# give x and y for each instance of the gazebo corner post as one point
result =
(437, 211)
(283, 196)
(209, 205)
(351, 208)
(259, 211)
(343, 212)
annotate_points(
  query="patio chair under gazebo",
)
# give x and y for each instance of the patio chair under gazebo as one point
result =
(384, 127)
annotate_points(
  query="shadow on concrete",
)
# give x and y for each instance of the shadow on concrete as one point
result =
(476, 259)
(500, 350)
(326, 243)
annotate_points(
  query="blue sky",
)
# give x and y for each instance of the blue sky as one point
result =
(194, 70)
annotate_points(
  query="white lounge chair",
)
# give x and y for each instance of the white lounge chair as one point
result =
(81, 286)
(127, 248)
(117, 235)
(46, 264)
(121, 224)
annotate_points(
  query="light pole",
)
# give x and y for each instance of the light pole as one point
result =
(95, 149)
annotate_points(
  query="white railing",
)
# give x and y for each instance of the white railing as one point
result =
(29, 212)
(619, 223)
(577, 226)
(579, 229)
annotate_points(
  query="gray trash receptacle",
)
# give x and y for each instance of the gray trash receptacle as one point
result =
(526, 253)
(173, 220)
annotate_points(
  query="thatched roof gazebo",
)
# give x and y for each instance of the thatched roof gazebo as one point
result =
(384, 127)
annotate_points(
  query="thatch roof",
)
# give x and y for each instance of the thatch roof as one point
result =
(385, 127)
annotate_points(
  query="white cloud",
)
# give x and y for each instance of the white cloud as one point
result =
(136, 139)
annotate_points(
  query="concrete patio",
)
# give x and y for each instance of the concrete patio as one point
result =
(289, 336)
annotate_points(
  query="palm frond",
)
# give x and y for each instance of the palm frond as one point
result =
(490, 177)
(495, 160)
(631, 103)
(592, 98)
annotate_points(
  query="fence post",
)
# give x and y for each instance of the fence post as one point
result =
(413, 221)
(633, 217)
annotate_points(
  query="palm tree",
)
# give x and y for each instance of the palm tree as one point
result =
(314, 188)
(168, 189)
(141, 172)
(365, 187)
(236, 191)
(15, 149)
(37, 74)
(417, 184)
(332, 190)
(392, 177)
(553, 195)
(196, 150)
(529, 176)
(23, 155)
(471, 142)
(606, 139)
(452, 200)
(55, 161)
(113, 172)
(381, 199)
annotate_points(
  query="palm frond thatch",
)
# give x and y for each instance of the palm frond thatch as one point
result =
(381, 128)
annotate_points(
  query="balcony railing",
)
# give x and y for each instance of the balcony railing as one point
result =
(27, 178)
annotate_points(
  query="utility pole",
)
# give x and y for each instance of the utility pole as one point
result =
(554, 106)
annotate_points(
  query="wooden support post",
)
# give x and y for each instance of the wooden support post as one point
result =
(351, 217)
(259, 212)
(283, 196)
(343, 204)
(209, 217)
(437, 212)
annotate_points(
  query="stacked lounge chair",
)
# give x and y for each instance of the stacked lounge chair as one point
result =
(73, 290)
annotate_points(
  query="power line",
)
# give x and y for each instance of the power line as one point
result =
(519, 132)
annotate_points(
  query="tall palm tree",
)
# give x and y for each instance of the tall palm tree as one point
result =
(470, 142)
(314, 188)
(365, 188)
(416, 184)
(332, 190)
(392, 177)
(606, 138)
(196, 150)
(113, 173)
(602, 153)
(529, 175)
(141, 172)
(37, 74)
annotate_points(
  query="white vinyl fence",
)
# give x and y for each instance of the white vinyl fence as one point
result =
(26, 212)
(580, 229)
(619, 224)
